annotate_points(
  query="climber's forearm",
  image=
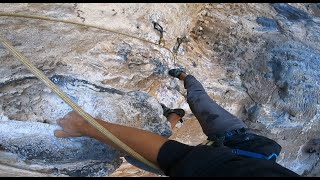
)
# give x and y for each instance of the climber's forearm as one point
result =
(145, 143)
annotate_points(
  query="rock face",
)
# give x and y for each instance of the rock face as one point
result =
(259, 61)
(34, 141)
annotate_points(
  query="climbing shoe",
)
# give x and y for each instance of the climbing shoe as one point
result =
(175, 72)
(167, 111)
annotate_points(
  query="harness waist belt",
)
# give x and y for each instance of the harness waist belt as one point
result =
(254, 155)
(272, 156)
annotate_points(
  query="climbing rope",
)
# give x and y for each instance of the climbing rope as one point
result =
(39, 74)
(74, 106)
(156, 26)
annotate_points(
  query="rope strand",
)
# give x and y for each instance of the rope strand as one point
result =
(73, 105)
(91, 26)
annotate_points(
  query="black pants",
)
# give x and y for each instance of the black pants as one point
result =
(212, 117)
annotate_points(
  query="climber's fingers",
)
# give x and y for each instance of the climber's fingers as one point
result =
(68, 117)
(72, 125)
(64, 134)
(60, 133)
(59, 122)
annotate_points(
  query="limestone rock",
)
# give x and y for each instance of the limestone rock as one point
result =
(259, 61)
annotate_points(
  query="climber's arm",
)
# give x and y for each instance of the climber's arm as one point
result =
(145, 143)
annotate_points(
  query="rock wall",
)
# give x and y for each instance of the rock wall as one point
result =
(259, 61)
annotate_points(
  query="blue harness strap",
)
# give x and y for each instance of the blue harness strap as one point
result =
(254, 155)
(229, 135)
(272, 156)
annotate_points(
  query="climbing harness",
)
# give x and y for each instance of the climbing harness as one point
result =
(273, 156)
(207, 142)
(160, 29)
(64, 97)
(228, 135)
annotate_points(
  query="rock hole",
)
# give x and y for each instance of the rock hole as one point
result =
(2, 148)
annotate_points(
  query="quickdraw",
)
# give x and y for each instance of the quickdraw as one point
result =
(160, 29)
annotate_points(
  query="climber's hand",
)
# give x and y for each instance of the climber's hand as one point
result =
(73, 125)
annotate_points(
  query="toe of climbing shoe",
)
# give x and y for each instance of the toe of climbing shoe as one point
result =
(179, 112)
(167, 111)
(175, 72)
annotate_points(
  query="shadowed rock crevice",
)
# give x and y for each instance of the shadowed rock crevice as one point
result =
(63, 81)
(290, 13)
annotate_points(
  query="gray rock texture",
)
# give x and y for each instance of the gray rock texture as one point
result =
(259, 61)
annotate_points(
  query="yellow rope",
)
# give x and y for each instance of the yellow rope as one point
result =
(86, 25)
(60, 93)
(74, 106)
